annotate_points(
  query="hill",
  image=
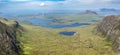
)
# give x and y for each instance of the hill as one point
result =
(110, 28)
(89, 12)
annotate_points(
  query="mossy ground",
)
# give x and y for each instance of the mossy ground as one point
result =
(38, 40)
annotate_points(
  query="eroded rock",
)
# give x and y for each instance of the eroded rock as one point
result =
(9, 45)
(110, 28)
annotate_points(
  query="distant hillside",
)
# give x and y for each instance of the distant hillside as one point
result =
(89, 12)
(9, 45)
(109, 10)
(110, 28)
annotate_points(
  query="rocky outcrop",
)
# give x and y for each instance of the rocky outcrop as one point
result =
(9, 45)
(110, 28)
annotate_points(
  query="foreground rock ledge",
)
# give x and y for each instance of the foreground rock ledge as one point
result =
(9, 45)
(110, 27)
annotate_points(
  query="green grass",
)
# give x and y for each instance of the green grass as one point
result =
(66, 19)
(37, 40)
(79, 18)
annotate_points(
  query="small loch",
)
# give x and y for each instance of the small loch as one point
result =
(66, 33)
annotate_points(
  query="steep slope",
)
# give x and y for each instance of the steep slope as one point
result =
(9, 45)
(110, 28)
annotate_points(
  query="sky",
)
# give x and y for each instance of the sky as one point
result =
(48, 5)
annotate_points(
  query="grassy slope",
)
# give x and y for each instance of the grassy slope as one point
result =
(42, 41)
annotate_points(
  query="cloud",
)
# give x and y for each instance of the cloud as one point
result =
(88, 1)
(39, 3)
(42, 4)
(116, 1)
(20, 0)
(62, 4)
(51, 0)
(34, 0)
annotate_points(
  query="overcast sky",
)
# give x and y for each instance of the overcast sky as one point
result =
(57, 4)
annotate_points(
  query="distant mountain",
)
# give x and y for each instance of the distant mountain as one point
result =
(109, 10)
(89, 12)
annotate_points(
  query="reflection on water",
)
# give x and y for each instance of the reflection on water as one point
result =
(66, 26)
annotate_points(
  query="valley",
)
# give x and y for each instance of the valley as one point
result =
(59, 27)
(43, 41)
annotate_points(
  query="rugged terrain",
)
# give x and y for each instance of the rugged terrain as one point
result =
(38, 40)
(110, 28)
(9, 44)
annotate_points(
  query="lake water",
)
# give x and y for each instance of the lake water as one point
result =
(46, 23)
(67, 33)
(67, 26)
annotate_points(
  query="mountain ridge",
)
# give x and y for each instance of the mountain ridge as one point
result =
(109, 27)
(9, 44)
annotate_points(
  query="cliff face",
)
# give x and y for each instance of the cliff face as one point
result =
(9, 45)
(110, 28)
